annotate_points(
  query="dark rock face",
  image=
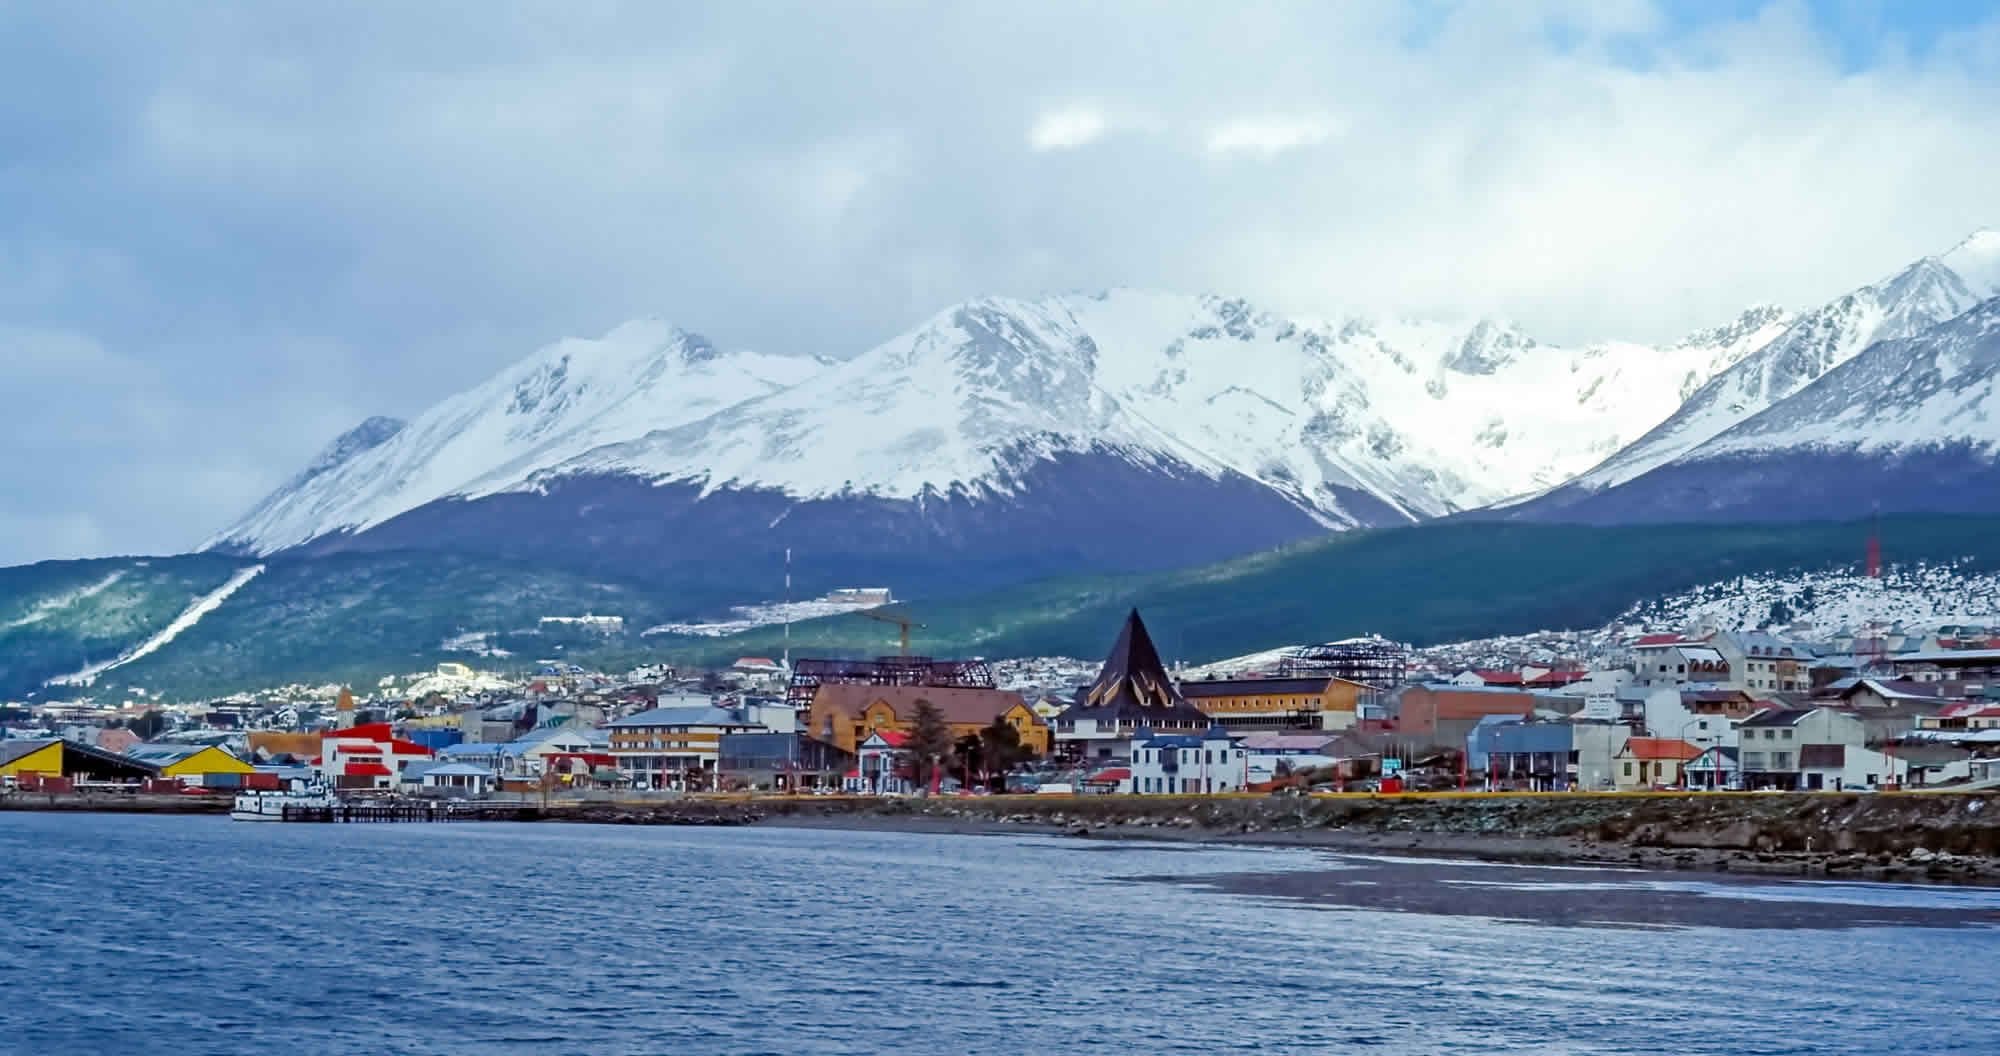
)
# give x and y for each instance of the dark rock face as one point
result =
(1070, 513)
(1792, 486)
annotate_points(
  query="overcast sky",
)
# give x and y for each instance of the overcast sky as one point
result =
(227, 234)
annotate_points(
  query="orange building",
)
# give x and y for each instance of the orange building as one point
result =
(843, 714)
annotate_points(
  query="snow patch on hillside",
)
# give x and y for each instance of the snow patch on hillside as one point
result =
(190, 616)
(54, 604)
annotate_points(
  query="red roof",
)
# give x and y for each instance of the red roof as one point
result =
(1660, 748)
(367, 731)
(893, 738)
(367, 770)
(1658, 639)
(1109, 777)
(1499, 678)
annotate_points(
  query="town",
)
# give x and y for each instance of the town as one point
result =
(1697, 709)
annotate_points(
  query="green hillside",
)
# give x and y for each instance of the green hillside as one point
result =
(1427, 584)
(353, 618)
(56, 617)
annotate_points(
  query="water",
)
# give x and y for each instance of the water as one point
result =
(197, 935)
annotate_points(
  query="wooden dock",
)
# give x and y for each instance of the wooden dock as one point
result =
(418, 810)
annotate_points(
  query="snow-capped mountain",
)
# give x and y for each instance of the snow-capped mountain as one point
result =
(560, 402)
(1909, 424)
(1343, 423)
(1926, 293)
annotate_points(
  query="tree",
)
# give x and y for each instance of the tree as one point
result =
(929, 744)
(1001, 749)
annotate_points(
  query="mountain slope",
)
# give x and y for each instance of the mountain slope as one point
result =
(1910, 424)
(564, 400)
(1926, 293)
(1000, 440)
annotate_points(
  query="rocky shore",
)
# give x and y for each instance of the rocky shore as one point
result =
(1908, 837)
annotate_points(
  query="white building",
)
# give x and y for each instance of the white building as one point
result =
(1179, 764)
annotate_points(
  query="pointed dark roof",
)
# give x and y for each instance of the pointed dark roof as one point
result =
(1133, 683)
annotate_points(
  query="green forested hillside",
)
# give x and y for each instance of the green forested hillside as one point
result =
(1428, 584)
(354, 617)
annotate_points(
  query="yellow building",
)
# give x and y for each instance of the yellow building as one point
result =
(1319, 703)
(844, 713)
(188, 760)
(31, 757)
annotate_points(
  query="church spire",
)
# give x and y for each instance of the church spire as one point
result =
(1133, 674)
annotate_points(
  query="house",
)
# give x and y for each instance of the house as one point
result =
(1650, 762)
(189, 762)
(449, 779)
(1764, 662)
(1702, 717)
(676, 745)
(1956, 664)
(1967, 715)
(1715, 768)
(1109, 781)
(1670, 660)
(1132, 692)
(1808, 748)
(844, 714)
(1888, 692)
(1184, 764)
(1245, 704)
(880, 768)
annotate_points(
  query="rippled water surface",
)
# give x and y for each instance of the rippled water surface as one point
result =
(195, 935)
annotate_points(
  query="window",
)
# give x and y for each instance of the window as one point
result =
(1784, 735)
(1628, 769)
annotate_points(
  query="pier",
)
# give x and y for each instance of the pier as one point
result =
(412, 811)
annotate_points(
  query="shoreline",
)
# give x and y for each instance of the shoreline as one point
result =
(1923, 838)
(1450, 846)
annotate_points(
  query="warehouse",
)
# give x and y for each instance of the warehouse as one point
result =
(56, 758)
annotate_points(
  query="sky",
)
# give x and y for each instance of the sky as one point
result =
(229, 232)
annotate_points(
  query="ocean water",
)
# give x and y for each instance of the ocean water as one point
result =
(134, 934)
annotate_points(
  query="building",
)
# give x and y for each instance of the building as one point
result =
(844, 714)
(880, 767)
(677, 745)
(1444, 715)
(1763, 662)
(782, 761)
(367, 757)
(1715, 768)
(1982, 665)
(453, 779)
(1242, 705)
(1810, 748)
(1132, 692)
(1187, 765)
(1651, 762)
(53, 757)
(1702, 717)
(1671, 660)
(1267, 751)
(1545, 756)
(189, 762)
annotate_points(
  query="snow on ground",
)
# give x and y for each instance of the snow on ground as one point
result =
(455, 685)
(190, 616)
(49, 606)
(478, 643)
(744, 618)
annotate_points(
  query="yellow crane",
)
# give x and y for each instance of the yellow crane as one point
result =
(902, 622)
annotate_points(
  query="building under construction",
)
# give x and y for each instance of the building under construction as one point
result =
(809, 675)
(1371, 661)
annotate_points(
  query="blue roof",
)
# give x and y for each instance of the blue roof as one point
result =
(472, 748)
(702, 715)
(457, 770)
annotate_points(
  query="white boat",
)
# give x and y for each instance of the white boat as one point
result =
(270, 806)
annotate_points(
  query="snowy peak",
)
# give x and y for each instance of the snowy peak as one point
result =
(1488, 348)
(555, 404)
(1914, 299)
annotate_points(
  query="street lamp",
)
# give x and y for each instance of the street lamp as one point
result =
(1685, 727)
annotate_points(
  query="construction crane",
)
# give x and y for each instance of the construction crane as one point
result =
(902, 622)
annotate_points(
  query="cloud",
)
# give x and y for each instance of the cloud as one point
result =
(1063, 129)
(1269, 136)
(265, 224)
